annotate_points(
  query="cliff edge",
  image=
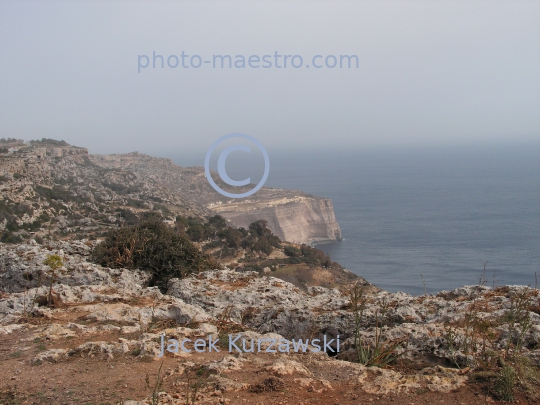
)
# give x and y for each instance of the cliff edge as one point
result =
(292, 215)
(100, 188)
(299, 219)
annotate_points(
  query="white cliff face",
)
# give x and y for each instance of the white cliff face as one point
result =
(297, 220)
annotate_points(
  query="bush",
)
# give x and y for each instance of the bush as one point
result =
(212, 245)
(292, 251)
(8, 237)
(128, 216)
(151, 245)
(12, 226)
(135, 203)
(259, 238)
(57, 193)
(181, 222)
(315, 256)
(253, 267)
(218, 222)
(233, 237)
(503, 387)
(197, 232)
(48, 141)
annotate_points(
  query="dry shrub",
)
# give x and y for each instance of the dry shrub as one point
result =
(151, 245)
(269, 385)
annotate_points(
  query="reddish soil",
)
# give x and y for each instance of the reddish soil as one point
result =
(85, 380)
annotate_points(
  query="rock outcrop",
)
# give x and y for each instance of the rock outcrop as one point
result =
(292, 215)
(106, 315)
(299, 219)
(269, 305)
(66, 181)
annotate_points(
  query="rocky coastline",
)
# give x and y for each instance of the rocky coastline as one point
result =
(39, 175)
(112, 318)
(74, 331)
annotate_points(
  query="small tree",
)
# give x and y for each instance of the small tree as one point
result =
(54, 262)
(218, 222)
(151, 245)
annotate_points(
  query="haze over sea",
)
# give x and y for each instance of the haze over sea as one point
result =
(439, 212)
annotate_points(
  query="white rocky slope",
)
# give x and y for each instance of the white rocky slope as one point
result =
(436, 328)
(268, 304)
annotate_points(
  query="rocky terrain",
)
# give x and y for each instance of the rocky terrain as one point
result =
(53, 191)
(57, 190)
(73, 331)
(73, 192)
(292, 215)
(98, 338)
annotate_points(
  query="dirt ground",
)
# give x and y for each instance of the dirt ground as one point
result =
(96, 380)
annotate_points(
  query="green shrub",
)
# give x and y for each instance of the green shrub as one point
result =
(127, 216)
(12, 226)
(218, 222)
(504, 385)
(212, 245)
(135, 203)
(253, 267)
(196, 232)
(54, 262)
(233, 237)
(151, 245)
(49, 141)
(8, 237)
(259, 238)
(292, 251)
(181, 221)
(57, 193)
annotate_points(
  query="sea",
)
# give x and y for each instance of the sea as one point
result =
(426, 219)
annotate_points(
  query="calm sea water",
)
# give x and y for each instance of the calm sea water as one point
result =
(410, 217)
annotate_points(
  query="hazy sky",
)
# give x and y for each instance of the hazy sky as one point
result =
(430, 72)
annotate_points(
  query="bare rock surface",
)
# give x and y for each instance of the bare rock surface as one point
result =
(108, 317)
(21, 267)
(424, 323)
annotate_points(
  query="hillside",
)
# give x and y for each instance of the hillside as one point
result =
(52, 190)
(49, 179)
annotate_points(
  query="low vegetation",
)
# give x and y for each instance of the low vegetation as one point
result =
(490, 345)
(48, 141)
(257, 243)
(151, 245)
(474, 342)
(168, 252)
(54, 262)
(380, 352)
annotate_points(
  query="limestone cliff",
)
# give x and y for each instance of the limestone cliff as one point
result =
(95, 188)
(299, 219)
(291, 214)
